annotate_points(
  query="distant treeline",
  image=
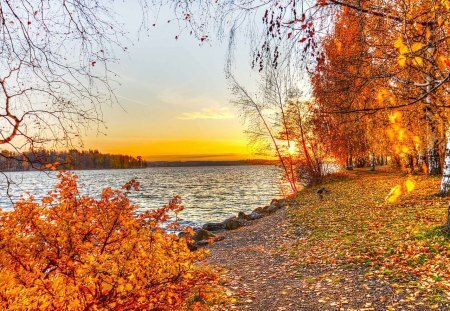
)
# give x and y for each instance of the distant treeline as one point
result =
(71, 160)
(208, 163)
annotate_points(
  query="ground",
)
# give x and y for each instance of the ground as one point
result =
(374, 243)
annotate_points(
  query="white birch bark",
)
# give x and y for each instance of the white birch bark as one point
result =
(445, 183)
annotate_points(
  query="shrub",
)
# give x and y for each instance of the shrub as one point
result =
(75, 252)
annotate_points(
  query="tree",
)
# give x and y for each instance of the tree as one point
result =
(54, 73)
(405, 45)
(266, 117)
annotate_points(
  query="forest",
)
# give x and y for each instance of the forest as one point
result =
(66, 160)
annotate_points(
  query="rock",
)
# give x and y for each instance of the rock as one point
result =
(201, 244)
(233, 223)
(274, 201)
(255, 215)
(203, 234)
(268, 209)
(213, 226)
(282, 202)
(272, 208)
(278, 203)
(192, 247)
(262, 209)
(243, 216)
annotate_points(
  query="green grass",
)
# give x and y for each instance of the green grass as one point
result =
(355, 224)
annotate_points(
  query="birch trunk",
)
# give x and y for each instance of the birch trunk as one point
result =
(445, 183)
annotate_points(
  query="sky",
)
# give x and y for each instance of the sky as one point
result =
(174, 98)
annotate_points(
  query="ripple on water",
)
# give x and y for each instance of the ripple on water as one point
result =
(208, 193)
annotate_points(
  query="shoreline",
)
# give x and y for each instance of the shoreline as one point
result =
(211, 232)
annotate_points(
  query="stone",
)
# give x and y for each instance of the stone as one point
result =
(243, 216)
(255, 215)
(203, 234)
(282, 202)
(213, 226)
(261, 209)
(272, 208)
(233, 223)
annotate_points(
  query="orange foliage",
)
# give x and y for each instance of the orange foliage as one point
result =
(75, 252)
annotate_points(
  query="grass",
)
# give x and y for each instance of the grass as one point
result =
(401, 241)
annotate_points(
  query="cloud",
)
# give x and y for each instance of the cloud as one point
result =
(212, 113)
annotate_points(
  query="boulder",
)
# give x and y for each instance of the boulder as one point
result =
(233, 223)
(201, 244)
(272, 208)
(274, 201)
(202, 234)
(268, 209)
(213, 226)
(279, 203)
(243, 216)
(192, 247)
(282, 202)
(255, 215)
(261, 209)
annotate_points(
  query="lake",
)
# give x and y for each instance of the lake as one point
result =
(209, 193)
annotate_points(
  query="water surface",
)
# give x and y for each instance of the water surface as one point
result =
(208, 193)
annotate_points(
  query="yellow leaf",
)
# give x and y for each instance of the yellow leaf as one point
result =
(403, 49)
(417, 46)
(398, 43)
(402, 60)
(418, 61)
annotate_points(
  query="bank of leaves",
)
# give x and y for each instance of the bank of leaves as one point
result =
(76, 252)
(401, 241)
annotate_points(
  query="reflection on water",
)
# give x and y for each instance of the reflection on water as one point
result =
(208, 193)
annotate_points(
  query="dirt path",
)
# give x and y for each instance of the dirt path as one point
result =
(262, 277)
(259, 274)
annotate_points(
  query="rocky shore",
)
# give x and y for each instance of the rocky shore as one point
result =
(211, 231)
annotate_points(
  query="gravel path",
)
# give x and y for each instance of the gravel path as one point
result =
(263, 277)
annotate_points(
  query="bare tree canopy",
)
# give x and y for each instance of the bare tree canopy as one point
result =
(54, 74)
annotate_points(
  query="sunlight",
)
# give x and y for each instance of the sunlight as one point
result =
(292, 148)
(396, 192)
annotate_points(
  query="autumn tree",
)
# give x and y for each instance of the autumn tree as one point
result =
(405, 43)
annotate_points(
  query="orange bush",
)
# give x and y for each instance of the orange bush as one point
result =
(73, 252)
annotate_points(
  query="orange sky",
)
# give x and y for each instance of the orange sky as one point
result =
(174, 100)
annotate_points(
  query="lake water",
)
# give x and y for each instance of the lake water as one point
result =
(208, 193)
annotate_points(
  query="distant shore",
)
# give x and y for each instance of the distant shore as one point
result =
(209, 163)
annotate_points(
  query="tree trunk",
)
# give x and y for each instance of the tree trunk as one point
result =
(434, 166)
(422, 161)
(372, 161)
(445, 183)
(350, 162)
(410, 164)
